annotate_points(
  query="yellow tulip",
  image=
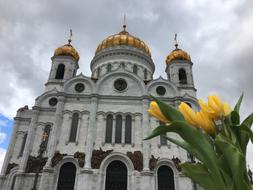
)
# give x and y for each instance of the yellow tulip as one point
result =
(215, 109)
(215, 103)
(226, 108)
(155, 111)
(204, 122)
(188, 113)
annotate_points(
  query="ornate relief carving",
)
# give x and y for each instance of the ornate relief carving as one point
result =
(137, 159)
(177, 163)
(80, 156)
(10, 167)
(98, 156)
(35, 164)
(153, 162)
(56, 158)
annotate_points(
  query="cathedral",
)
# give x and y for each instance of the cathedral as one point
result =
(86, 132)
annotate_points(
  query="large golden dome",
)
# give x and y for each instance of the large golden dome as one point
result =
(123, 38)
(178, 54)
(67, 50)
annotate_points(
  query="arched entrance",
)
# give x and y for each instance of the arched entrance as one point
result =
(165, 178)
(67, 176)
(116, 176)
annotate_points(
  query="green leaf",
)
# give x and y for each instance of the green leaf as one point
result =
(235, 117)
(248, 121)
(248, 130)
(199, 173)
(235, 159)
(171, 113)
(162, 129)
(238, 104)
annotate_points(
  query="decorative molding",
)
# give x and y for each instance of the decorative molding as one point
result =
(153, 162)
(97, 157)
(137, 159)
(35, 164)
(10, 166)
(80, 156)
(57, 158)
(177, 162)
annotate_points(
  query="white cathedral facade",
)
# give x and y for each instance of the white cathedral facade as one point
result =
(86, 132)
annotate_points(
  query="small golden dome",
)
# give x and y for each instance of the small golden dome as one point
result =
(123, 38)
(178, 54)
(67, 50)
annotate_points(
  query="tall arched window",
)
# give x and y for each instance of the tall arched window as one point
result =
(74, 127)
(13, 182)
(116, 176)
(108, 130)
(118, 130)
(109, 67)
(163, 140)
(128, 129)
(145, 74)
(60, 71)
(98, 72)
(67, 177)
(135, 69)
(22, 146)
(165, 178)
(182, 76)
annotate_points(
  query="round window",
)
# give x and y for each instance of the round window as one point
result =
(53, 101)
(160, 90)
(120, 84)
(79, 87)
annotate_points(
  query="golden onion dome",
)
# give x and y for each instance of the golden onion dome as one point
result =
(67, 50)
(123, 38)
(178, 54)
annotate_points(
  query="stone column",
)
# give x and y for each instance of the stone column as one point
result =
(27, 149)
(10, 147)
(46, 181)
(91, 132)
(145, 128)
(55, 130)
(113, 129)
(123, 132)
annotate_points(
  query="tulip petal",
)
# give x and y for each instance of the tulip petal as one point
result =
(226, 108)
(188, 113)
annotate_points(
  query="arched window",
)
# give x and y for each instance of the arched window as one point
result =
(128, 129)
(108, 132)
(98, 72)
(22, 146)
(45, 138)
(109, 67)
(118, 130)
(182, 76)
(67, 177)
(74, 127)
(163, 140)
(135, 69)
(116, 176)
(60, 71)
(165, 178)
(145, 74)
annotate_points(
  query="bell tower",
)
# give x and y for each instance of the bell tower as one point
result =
(179, 69)
(64, 65)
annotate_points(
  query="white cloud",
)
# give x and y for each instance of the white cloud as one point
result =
(3, 122)
(2, 155)
(2, 137)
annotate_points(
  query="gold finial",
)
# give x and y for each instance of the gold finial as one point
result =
(70, 36)
(175, 39)
(124, 23)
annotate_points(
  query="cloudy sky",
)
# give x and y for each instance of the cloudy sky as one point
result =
(218, 35)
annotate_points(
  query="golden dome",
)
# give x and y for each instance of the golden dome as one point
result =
(123, 38)
(178, 54)
(67, 50)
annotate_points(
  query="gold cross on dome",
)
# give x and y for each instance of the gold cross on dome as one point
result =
(175, 39)
(70, 36)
